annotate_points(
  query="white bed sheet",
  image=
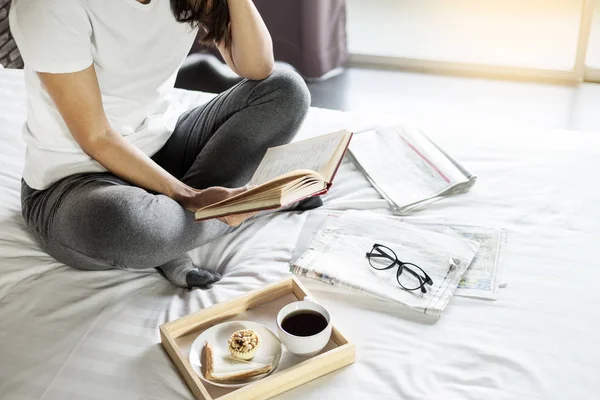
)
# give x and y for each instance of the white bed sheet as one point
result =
(94, 335)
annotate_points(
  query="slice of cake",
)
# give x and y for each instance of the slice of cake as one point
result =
(222, 367)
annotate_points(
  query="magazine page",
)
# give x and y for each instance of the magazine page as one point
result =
(405, 166)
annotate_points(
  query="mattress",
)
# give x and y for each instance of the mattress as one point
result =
(69, 334)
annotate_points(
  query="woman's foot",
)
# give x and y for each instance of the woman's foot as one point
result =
(305, 205)
(183, 273)
(308, 204)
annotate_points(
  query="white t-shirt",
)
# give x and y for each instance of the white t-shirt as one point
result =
(136, 50)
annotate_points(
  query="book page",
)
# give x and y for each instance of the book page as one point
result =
(312, 154)
(404, 165)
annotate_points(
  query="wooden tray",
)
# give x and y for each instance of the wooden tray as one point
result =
(176, 336)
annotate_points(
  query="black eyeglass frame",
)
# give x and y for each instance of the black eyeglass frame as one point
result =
(423, 279)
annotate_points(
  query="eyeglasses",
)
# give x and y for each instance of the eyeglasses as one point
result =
(382, 257)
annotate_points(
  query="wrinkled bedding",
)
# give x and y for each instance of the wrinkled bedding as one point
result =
(67, 334)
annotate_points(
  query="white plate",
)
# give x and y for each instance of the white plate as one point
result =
(217, 336)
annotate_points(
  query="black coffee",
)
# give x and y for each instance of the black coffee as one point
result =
(304, 323)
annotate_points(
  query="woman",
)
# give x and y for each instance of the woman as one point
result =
(114, 167)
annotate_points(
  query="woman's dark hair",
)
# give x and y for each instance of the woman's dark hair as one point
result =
(210, 15)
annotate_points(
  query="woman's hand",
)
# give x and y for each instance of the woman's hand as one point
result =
(196, 199)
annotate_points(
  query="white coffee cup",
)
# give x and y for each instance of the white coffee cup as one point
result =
(304, 345)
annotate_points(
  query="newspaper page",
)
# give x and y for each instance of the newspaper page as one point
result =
(337, 255)
(407, 168)
(483, 277)
(313, 223)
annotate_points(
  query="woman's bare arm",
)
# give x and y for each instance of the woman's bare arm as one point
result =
(251, 51)
(77, 97)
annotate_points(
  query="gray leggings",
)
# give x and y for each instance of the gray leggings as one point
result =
(98, 221)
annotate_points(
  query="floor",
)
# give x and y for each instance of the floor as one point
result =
(432, 100)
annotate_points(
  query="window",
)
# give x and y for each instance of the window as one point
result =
(522, 38)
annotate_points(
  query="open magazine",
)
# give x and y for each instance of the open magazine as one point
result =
(407, 168)
(336, 255)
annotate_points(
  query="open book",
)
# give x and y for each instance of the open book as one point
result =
(407, 168)
(287, 174)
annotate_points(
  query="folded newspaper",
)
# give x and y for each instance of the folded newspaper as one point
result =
(407, 169)
(336, 255)
(483, 277)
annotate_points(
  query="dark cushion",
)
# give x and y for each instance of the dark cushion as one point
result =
(9, 53)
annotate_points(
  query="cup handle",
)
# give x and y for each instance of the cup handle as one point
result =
(309, 298)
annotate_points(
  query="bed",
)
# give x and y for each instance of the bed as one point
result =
(68, 334)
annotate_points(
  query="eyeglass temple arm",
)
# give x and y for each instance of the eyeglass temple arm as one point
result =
(370, 254)
(381, 253)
